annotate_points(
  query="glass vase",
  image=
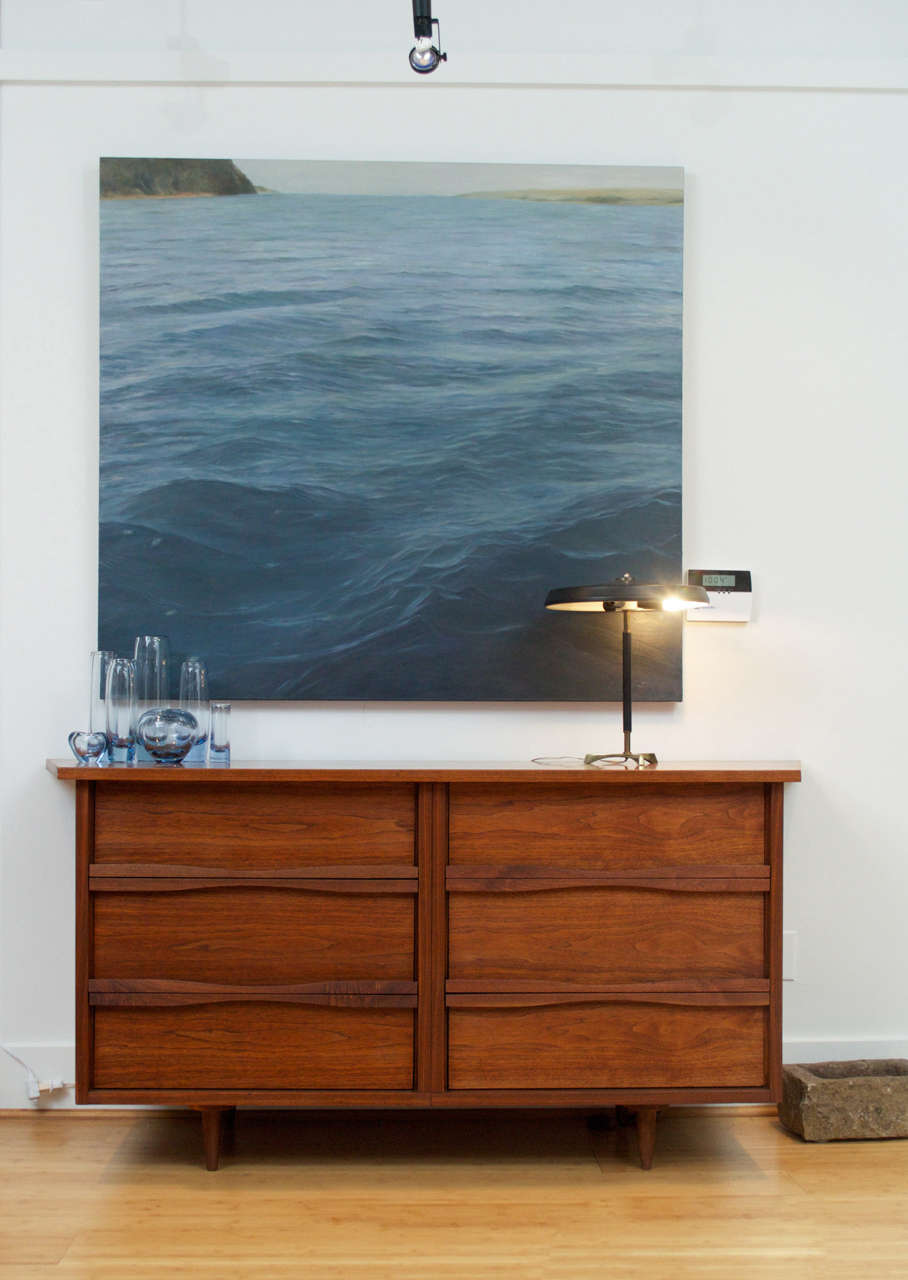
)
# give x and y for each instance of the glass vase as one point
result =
(219, 740)
(194, 698)
(152, 658)
(121, 710)
(97, 711)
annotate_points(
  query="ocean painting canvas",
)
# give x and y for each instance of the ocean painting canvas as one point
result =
(358, 418)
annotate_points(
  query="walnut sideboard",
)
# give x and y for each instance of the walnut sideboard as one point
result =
(283, 935)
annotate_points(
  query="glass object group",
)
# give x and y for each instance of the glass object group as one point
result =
(133, 718)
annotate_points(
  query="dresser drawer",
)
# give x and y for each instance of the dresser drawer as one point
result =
(591, 935)
(253, 1046)
(255, 825)
(604, 1045)
(615, 826)
(254, 935)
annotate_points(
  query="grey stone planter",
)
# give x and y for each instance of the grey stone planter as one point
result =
(864, 1099)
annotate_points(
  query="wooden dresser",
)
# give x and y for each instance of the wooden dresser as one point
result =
(493, 935)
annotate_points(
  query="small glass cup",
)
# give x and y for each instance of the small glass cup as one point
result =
(194, 698)
(121, 710)
(219, 737)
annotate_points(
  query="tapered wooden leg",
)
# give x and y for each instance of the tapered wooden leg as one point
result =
(646, 1135)
(212, 1123)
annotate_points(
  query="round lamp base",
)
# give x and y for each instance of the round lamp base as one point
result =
(640, 759)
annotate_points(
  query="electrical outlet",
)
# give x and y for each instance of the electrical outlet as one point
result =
(789, 955)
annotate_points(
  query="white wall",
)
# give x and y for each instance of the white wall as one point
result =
(796, 334)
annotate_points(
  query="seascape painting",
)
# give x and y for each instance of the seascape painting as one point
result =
(357, 419)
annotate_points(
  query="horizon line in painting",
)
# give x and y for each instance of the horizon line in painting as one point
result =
(357, 418)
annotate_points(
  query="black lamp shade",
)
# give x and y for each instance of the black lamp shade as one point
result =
(614, 597)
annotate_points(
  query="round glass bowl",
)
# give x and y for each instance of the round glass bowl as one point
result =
(167, 734)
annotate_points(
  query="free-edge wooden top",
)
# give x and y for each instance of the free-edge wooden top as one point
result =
(561, 770)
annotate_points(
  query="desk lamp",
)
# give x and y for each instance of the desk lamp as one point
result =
(625, 596)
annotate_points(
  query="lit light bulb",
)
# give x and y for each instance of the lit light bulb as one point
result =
(423, 56)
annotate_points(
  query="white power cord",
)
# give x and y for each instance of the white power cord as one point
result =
(33, 1086)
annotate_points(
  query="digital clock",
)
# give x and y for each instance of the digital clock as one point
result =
(729, 591)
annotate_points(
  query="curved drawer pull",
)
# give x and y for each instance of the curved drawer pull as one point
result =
(667, 884)
(187, 884)
(160, 992)
(138, 999)
(177, 871)
(507, 1000)
(177, 986)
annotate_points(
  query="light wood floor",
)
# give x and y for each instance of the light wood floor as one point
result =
(444, 1197)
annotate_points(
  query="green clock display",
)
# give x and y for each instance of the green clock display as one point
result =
(718, 580)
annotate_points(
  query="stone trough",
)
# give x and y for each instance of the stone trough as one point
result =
(823, 1101)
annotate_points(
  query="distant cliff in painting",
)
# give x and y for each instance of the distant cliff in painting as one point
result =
(599, 195)
(124, 177)
(353, 433)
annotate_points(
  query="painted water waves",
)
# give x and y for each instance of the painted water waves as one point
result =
(356, 422)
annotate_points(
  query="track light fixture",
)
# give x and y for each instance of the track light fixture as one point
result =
(425, 55)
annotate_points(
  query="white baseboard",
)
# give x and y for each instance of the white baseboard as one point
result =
(842, 1050)
(58, 1061)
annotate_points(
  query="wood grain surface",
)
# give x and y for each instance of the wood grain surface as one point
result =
(253, 1046)
(697, 824)
(581, 935)
(254, 935)
(261, 824)
(558, 771)
(601, 1046)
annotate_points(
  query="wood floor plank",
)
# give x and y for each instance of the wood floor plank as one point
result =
(445, 1197)
(27, 1247)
